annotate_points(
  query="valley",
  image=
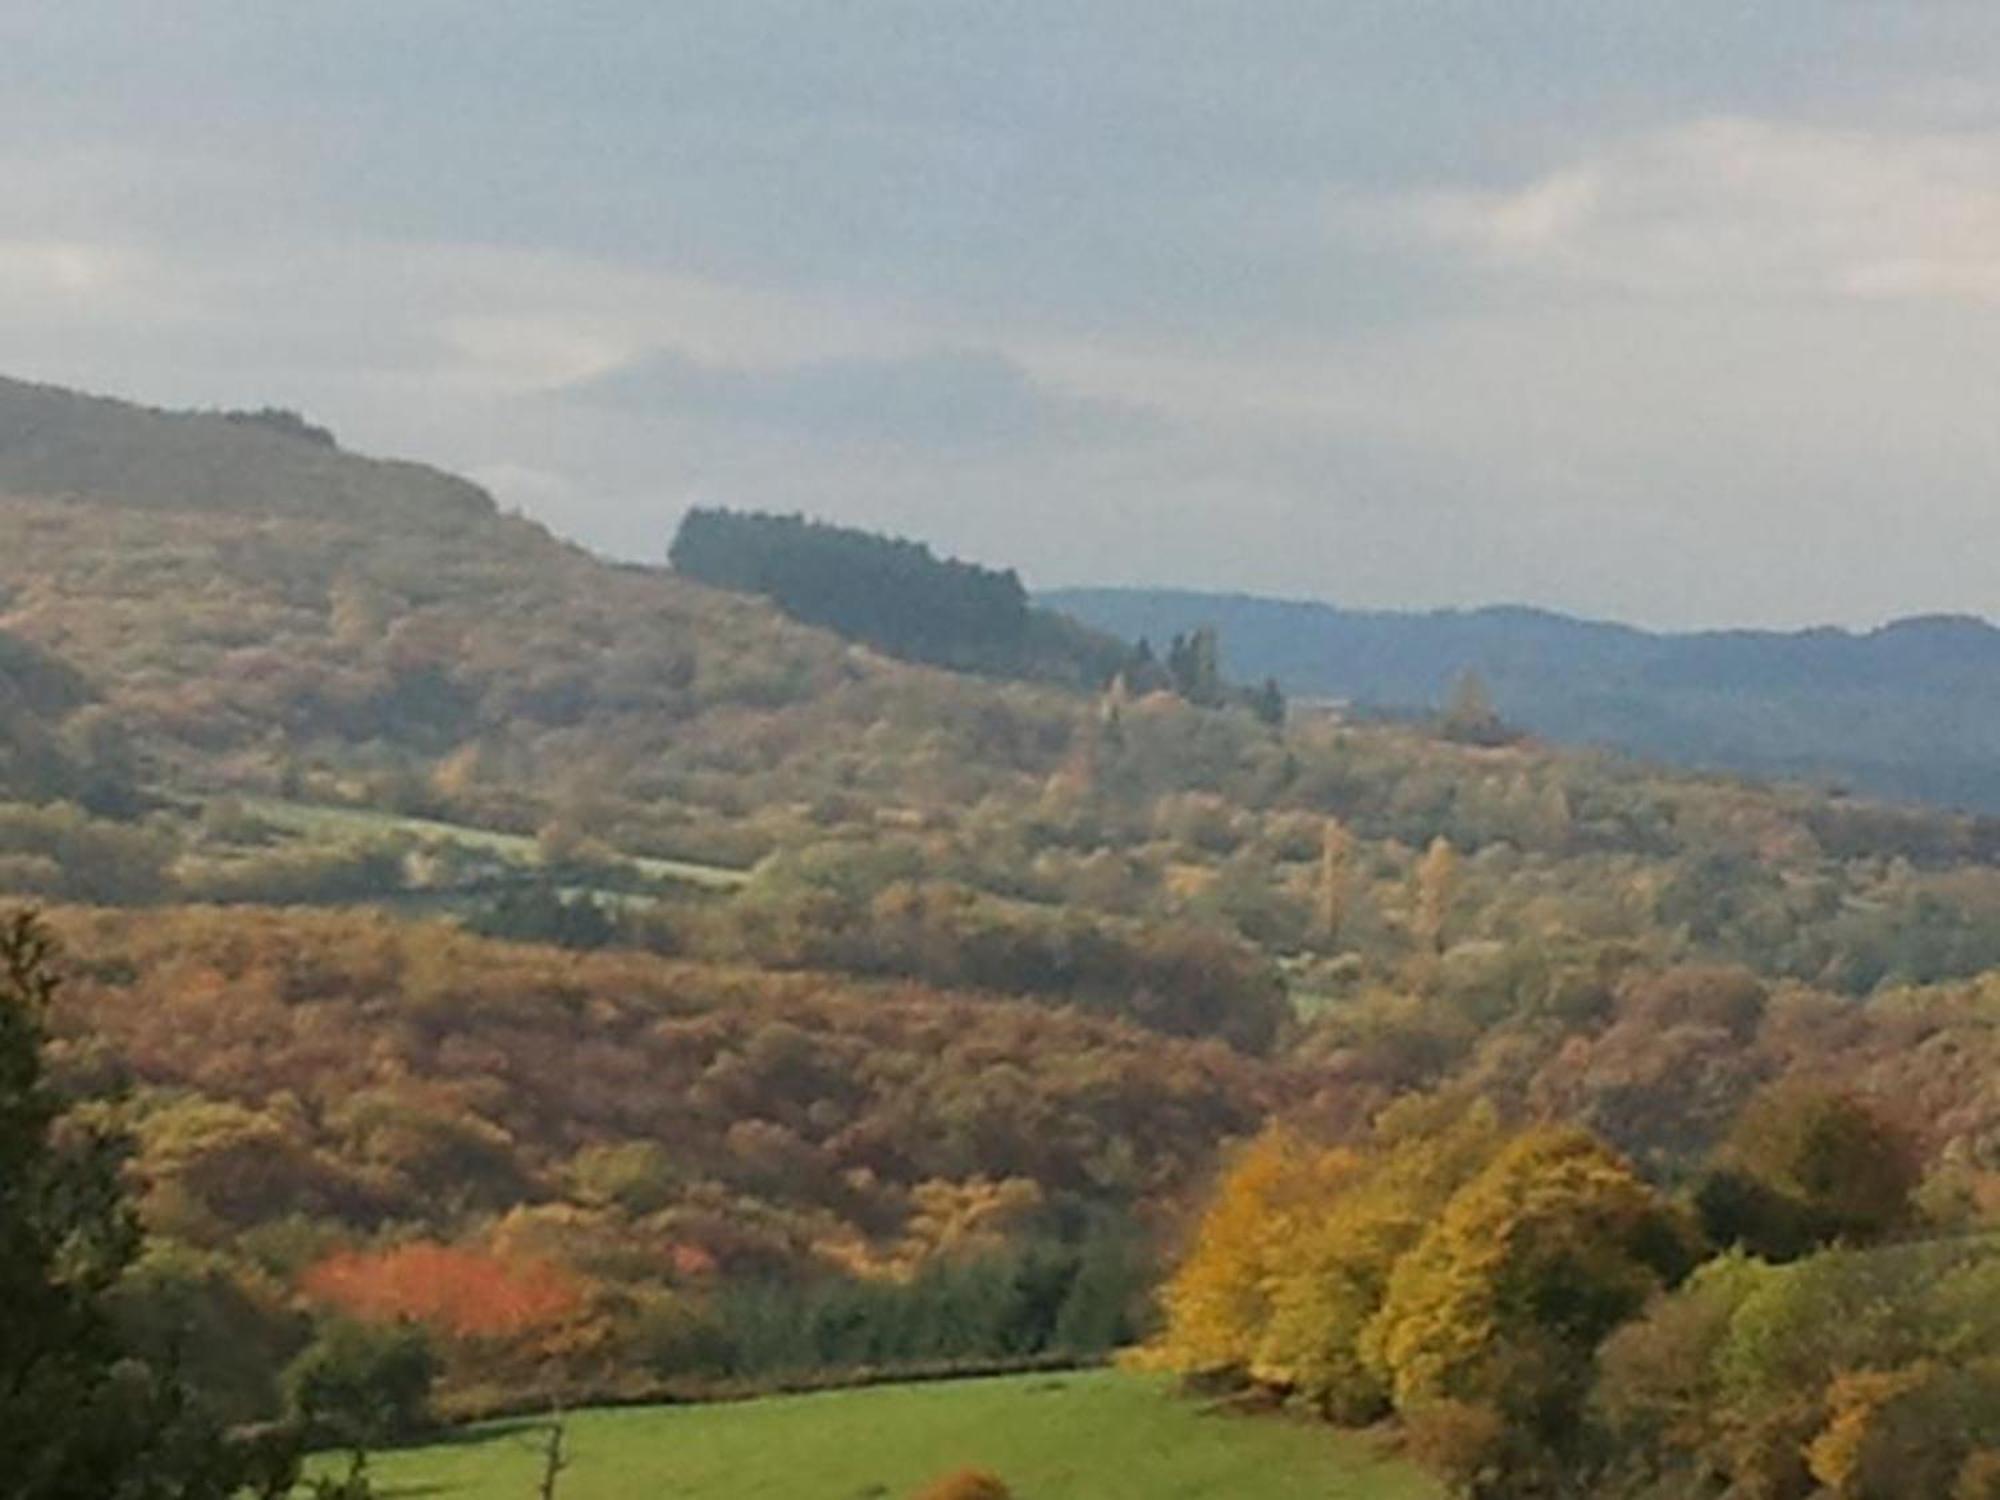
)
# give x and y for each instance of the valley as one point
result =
(516, 979)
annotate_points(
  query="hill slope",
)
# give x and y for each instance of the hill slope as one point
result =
(252, 631)
(60, 443)
(264, 612)
(995, 969)
(1909, 710)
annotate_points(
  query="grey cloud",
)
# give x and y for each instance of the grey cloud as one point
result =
(942, 399)
(1134, 165)
(419, 221)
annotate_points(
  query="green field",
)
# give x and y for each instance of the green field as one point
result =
(314, 821)
(1099, 1435)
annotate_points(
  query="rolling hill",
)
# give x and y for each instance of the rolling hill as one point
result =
(650, 994)
(262, 612)
(1911, 710)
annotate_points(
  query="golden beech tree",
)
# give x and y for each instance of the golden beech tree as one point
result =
(1328, 1285)
(1533, 1262)
(1293, 1257)
(1218, 1304)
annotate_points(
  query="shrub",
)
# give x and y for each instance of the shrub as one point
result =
(225, 1327)
(362, 1385)
(966, 1484)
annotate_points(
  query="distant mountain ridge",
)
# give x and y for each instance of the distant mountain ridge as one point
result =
(1911, 709)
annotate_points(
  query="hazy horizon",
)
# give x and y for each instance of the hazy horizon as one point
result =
(1683, 319)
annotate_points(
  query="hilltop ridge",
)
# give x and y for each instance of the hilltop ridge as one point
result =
(1910, 709)
(56, 442)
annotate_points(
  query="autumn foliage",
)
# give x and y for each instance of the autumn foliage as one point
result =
(460, 1293)
(966, 1484)
(1455, 1273)
(1521, 1301)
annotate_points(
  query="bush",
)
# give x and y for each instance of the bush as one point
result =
(225, 1328)
(353, 1485)
(966, 1484)
(301, 876)
(362, 1385)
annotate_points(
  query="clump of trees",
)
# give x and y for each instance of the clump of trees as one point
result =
(284, 421)
(360, 1385)
(608, 1171)
(1038, 1299)
(1853, 1372)
(1469, 716)
(896, 595)
(827, 909)
(459, 1291)
(1520, 1299)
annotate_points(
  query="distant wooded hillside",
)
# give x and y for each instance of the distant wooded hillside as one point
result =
(1909, 710)
(893, 594)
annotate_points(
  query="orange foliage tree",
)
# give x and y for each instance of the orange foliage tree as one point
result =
(461, 1293)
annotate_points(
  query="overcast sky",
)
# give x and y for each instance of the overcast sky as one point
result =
(1681, 313)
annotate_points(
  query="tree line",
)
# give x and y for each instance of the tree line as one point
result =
(1543, 1321)
(892, 593)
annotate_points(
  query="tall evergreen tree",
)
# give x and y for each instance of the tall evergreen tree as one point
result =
(1194, 662)
(1268, 703)
(77, 1421)
(1470, 717)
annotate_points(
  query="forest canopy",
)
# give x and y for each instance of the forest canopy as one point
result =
(889, 592)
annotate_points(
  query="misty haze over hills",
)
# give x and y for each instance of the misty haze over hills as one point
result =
(1909, 710)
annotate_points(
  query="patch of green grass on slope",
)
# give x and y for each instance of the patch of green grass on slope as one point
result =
(1101, 1435)
(313, 821)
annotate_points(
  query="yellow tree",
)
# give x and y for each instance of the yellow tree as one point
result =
(1437, 884)
(1503, 1302)
(1335, 851)
(1292, 1259)
(1921, 1430)
(1218, 1304)
(1333, 1274)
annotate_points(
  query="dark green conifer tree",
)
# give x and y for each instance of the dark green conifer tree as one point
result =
(78, 1420)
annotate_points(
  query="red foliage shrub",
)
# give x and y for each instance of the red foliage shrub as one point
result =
(461, 1293)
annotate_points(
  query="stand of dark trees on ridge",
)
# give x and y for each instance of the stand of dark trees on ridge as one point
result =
(895, 595)
(903, 599)
(892, 593)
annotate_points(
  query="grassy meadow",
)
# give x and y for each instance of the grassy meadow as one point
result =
(1100, 1435)
(315, 822)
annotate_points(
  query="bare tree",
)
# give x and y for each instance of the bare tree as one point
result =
(554, 1458)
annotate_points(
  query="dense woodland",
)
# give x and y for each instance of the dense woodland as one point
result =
(515, 977)
(894, 594)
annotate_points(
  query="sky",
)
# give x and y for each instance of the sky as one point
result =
(1682, 314)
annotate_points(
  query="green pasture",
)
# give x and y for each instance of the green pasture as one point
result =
(1100, 1435)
